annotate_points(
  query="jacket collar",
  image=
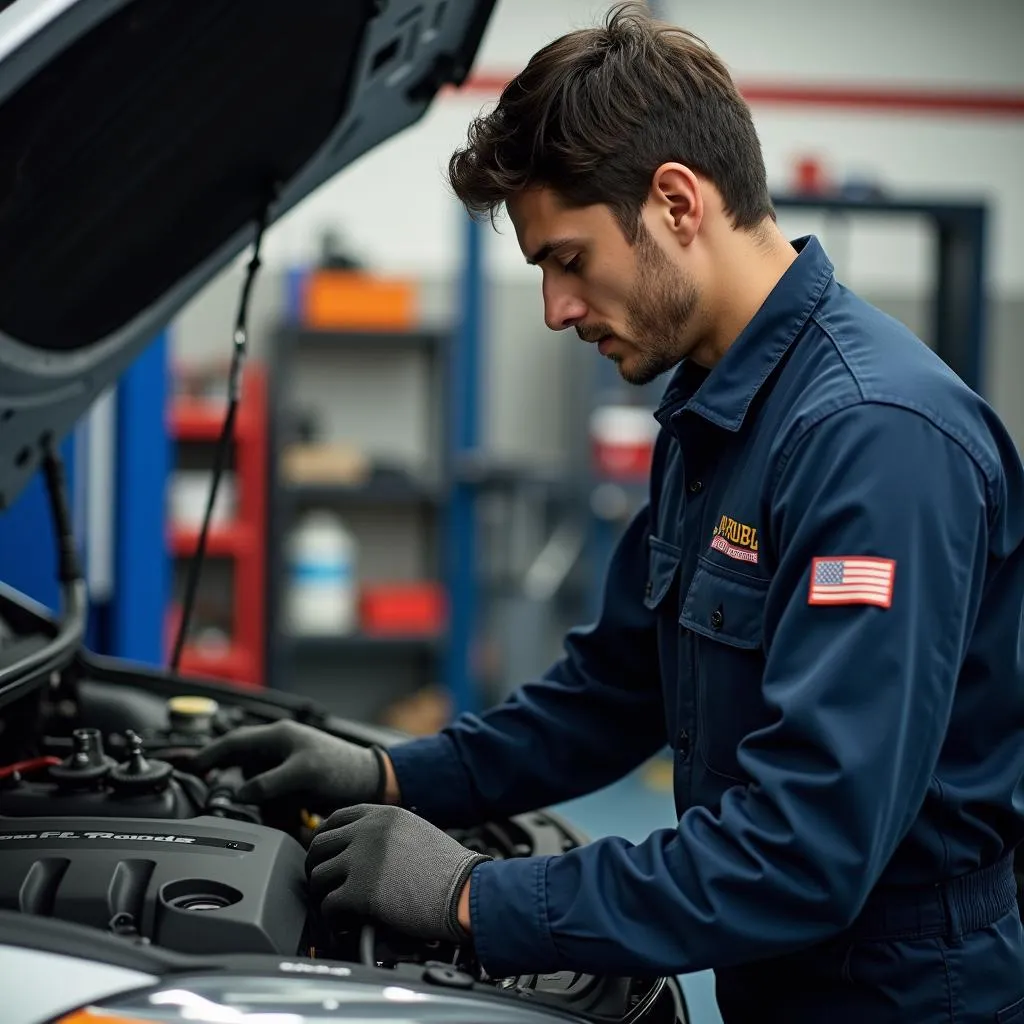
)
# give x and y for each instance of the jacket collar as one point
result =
(724, 394)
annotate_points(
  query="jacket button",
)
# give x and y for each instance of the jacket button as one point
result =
(717, 619)
(696, 486)
(683, 749)
(649, 589)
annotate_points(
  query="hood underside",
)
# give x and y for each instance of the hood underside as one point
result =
(142, 140)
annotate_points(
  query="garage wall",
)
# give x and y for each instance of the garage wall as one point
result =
(394, 209)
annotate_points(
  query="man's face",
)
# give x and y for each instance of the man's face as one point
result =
(633, 301)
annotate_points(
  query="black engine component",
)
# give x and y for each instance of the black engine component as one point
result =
(139, 774)
(202, 886)
(88, 782)
(87, 765)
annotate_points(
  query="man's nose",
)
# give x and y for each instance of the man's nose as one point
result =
(562, 309)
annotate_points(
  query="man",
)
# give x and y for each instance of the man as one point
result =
(819, 609)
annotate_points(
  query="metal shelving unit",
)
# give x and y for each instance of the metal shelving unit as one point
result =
(241, 542)
(360, 674)
(364, 644)
(393, 489)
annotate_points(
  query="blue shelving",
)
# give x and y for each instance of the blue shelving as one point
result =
(464, 428)
(142, 567)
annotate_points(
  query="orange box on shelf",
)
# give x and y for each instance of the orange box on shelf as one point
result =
(349, 300)
(408, 609)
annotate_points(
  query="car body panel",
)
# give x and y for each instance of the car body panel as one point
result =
(143, 141)
(37, 984)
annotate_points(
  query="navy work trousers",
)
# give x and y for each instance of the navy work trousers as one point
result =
(951, 954)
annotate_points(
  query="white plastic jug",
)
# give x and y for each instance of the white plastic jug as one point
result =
(322, 593)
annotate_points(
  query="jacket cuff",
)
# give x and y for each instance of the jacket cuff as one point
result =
(432, 781)
(509, 917)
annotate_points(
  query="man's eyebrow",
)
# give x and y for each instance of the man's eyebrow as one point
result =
(549, 247)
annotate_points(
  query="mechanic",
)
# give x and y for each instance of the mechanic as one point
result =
(819, 609)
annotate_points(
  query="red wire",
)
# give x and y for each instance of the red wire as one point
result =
(28, 766)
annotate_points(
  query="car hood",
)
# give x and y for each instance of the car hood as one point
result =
(142, 140)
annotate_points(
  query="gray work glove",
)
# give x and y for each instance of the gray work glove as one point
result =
(391, 866)
(293, 761)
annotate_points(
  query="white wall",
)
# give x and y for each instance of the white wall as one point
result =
(395, 207)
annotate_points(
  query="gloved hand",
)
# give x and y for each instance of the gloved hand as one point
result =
(289, 760)
(389, 865)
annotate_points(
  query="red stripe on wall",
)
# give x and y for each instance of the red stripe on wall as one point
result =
(891, 100)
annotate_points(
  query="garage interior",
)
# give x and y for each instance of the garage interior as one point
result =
(424, 483)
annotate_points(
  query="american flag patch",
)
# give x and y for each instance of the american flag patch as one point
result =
(849, 580)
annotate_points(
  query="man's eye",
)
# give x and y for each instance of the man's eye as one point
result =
(573, 266)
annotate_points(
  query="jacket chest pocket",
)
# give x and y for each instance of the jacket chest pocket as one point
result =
(662, 569)
(661, 596)
(724, 611)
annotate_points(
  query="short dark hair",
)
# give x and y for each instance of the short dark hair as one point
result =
(597, 111)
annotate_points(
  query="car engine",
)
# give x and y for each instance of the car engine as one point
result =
(115, 835)
(151, 878)
(101, 824)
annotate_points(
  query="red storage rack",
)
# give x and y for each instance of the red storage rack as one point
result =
(244, 540)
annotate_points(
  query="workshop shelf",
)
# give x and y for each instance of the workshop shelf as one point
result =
(364, 643)
(232, 541)
(201, 420)
(243, 540)
(233, 663)
(426, 420)
(386, 489)
(381, 466)
(311, 338)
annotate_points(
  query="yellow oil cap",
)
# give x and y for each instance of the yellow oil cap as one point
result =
(191, 713)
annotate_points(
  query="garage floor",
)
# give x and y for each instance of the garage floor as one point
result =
(633, 808)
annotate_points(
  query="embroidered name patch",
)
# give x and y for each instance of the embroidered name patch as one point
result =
(736, 540)
(852, 580)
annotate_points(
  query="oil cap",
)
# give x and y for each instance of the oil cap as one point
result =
(188, 714)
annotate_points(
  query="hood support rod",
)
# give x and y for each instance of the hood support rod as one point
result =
(239, 351)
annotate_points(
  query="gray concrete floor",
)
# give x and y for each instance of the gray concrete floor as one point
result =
(632, 809)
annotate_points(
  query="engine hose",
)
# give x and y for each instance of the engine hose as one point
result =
(31, 765)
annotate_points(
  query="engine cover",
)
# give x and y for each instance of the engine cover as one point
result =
(205, 885)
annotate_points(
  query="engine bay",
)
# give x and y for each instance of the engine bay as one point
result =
(138, 878)
(103, 825)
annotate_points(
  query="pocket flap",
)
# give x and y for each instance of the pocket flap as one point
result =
(664, 564)
(725, 606)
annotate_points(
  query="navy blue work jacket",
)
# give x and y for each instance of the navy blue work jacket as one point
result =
(819, 610)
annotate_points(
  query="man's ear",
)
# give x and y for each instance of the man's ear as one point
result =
(677, 200)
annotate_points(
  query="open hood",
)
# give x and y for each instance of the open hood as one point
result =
(142, 140)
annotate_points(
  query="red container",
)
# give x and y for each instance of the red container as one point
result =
(404, 609)
(622, 438)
